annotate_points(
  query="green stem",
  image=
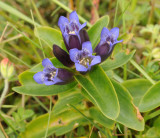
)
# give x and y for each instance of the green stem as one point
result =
(49, 117)
(5, 90)
(115, 16)
(18, 59)
(69, 10)
(142, 71)
(152, 115)
(38, 101)
(125, 132)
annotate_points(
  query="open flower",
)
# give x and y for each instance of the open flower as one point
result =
(107, 42)
(84, 59)
(51, 75)
(72, 31)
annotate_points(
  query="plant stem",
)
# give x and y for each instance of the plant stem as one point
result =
(142, 71)
(125, 132)
(5, 90)
(49, 117)
(18, 59)
(23, 100)
(2, 129)
(69, 10)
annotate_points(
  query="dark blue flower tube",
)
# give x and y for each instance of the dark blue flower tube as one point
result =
(84, 59)
(72, 31)
(52, 75)
(107, 42)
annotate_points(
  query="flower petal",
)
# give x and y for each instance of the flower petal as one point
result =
(62, 22)
(87, 46)
(46, 63)
(74, 42)
(104, 34)
(80, 67)
(114, 32)
(49, 82)
(95, 60)
(82, 26)
(117, 42)
(74, 17)
(39, 77)
(62, 56)
(73, 54)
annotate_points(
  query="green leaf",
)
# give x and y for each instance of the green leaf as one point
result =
(100, 118)
(71, 97)
(101, 90)
(49, 35)
(137, 88)
(95, 31)
(118, 60)
(129, 114)
(151, 99)
(59, 124)
(30, 87)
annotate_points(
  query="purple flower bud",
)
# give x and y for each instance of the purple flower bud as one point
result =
(71, 31)
(84, 36)
(107, 42)
(62, 56)
(51, 75)
(84, 59)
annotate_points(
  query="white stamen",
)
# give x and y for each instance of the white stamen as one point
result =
(72, 32)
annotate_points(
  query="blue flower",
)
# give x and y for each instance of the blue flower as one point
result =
(51, 75)
(84, 59)
(107, 42)
(72, 32)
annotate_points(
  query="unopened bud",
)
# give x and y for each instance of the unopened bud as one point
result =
(6, 68)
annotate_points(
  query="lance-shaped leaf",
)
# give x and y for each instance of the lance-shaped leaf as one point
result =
(59, 124)
(129, 114)
(95, 31)
(118, 60)
(151, 99)
(101, 90)
(137, 88)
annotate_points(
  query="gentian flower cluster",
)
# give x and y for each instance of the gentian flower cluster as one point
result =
(80, 52)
